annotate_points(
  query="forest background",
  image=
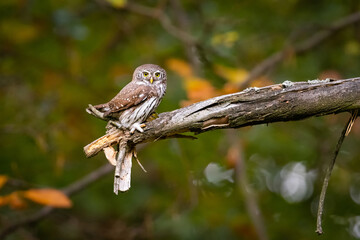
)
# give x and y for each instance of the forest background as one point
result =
(260, 182)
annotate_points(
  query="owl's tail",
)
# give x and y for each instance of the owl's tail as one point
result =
(102, 110)
(102, 107)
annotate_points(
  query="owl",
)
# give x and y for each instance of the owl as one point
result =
(138, 99)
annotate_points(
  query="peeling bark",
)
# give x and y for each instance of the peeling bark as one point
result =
(281, 102)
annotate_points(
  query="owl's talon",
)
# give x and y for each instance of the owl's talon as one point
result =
(136, 126)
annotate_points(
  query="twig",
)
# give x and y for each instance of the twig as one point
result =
(157, 14)
(190, 47)
(26, 221)
(346, 130)
(306, 45)
(88, 179)
(138, 161)
(353, 117)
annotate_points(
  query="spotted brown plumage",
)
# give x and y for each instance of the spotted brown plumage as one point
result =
(138, 99)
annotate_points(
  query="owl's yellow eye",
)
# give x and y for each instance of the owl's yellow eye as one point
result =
(145, 74)
(157, 74)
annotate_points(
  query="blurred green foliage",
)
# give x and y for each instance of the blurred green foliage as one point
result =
(57, 56)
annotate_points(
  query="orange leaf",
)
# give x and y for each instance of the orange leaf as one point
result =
(3, 180)
(230, 88)
(15, 201)
(198, 89)
(4, 200)
(232, 75)
(261, 82)
(180, 67)
(51, 197)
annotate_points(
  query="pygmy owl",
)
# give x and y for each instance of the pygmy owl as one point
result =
(138, 99)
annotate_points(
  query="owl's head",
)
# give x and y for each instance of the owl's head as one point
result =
(150, 74)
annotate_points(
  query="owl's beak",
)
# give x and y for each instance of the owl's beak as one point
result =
(151, 80)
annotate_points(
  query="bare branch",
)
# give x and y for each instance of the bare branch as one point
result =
(275, 103)
(69, 190)
(304, 46)
(26, 221)
(165, 21)
(88, 179)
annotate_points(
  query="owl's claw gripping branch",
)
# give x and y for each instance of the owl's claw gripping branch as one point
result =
(137, 126)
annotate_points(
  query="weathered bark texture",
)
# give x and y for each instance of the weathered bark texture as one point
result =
(281, 102)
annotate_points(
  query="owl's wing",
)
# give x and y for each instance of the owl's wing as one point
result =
(131, 95)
